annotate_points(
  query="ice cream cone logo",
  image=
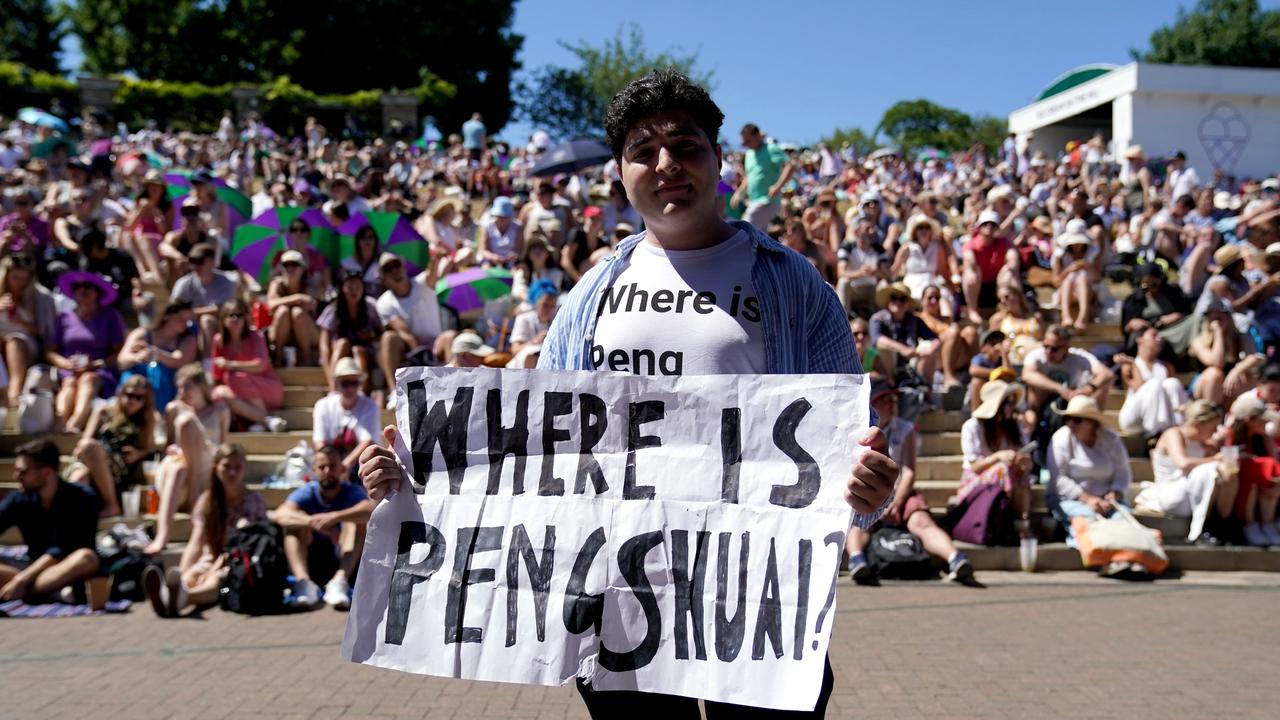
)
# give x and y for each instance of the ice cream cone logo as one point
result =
(1224, 133)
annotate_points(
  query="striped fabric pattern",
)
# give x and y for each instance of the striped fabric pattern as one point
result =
(805, 327)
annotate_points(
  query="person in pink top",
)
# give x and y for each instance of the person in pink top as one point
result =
(242, 367)
(989, 262)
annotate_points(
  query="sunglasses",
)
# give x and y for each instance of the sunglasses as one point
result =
(898, 299)
(22, 203)
(139, 397)
(298, 231)
(190, 212)
(291, 265)
(235, 315)
(1073, 420)
(83, 286)
(21, 261)
(348, 383)
(932, 298)
(1054, 348)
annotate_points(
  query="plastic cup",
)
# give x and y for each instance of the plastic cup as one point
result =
(290, 356)
(1231, 459)
(1027, 553)
(132, 501)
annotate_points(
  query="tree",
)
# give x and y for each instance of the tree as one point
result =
(31, 33)
(1218, 32)
(990, 132)
(571, 101)
(915, 124)
(326, 46)
(861, 142)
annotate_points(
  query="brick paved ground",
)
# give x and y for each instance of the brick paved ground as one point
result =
(1062, 645)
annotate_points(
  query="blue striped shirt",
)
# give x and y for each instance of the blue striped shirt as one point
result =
(805, 328)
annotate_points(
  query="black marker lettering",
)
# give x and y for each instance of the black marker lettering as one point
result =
(631, 565)
(554, 405)
(471, 540)
(407, 574)
(539, 578)
(639, 413)
(583, 611)
(594, 421)
(729, 632)
(513, 441)
(769, 618)
(805, 489)
(688, 592)
(730, 453)
(449, 430)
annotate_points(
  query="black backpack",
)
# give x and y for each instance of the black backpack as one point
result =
(257, 573)
(894, 553)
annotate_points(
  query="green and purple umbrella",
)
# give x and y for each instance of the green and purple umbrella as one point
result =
(470, 289)
(395, 235)
(258, 243)
(178, 184)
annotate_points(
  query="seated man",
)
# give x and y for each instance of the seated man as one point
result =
(57, 520)
(1055, 369)
(325, 523)
(411, 315)
(909, 509)
(345, 418)
(207, 289)
(896, 329)
(468, 350)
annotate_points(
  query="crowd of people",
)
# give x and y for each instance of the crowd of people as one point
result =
(126, 320)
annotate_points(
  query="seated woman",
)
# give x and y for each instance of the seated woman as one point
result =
(530, 327)
(909, 508)
(1088, 466)
(119, 437)
(959, 342)
(874, 363)
(1035, 248)
(150, 219)
(1154, 393)
(1191, 478)
(86, 342)
(242, 368)
(157, 354)
(364, 260)
(535, 264)
(1020, 324)
(992, 443)
(226, 505)
(349, 327)
(1228, 356)
(27, 320)
(1076, 268)
(197, 425)
(315, 267)
(925, 260)
(1259, 492)
(293, 308)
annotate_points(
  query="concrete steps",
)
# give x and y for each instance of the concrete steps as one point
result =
(948, 443)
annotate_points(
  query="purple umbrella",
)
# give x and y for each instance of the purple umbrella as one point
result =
(469, 289)
(258, 242)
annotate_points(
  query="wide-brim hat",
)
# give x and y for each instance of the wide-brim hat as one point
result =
(993, 396)
(998, 192)
(153, 177)
(347, 367)
(1134, 153)
(1043, 224)
(502, 207)
(1067, 240)
(1227, 255)
(887, 291)
(106, 289)
(918, 220)
(445, 202)
(1250, 406)
(1085, 408)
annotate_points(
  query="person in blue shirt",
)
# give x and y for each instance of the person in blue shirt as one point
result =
(474, 137)
(324, 522)
(661, 129)
(57, 520)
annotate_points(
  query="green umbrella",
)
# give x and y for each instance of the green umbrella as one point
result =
(179, 184)
(258, 243)
(469, 289)
(395, 235)
(45, 147)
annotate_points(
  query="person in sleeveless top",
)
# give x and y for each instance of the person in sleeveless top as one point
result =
(1154, 392)
(1192, 479)
(118, 438)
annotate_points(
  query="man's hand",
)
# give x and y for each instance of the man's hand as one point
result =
(873, 476)
(379, 470)
(322, 521)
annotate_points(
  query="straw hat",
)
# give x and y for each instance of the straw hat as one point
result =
(153, 177)
(1085, 408)
(1066, 240)
(993, 396)
(999, 192)
(445, 202)
(1134, 153)
(887, 291)
(919, 219)
(1227, 255)
(1043, 224)
(347, 367)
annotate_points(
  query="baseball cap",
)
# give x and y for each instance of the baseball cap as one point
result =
(387, 258)
(1250, 406)
(869, 196)
(468, 342)
(988, 216)
(592, 211)
(292, 256)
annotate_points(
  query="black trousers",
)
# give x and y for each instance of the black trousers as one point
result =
(625, 703)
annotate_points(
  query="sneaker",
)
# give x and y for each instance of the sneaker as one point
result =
(257, 427)
(391, 400)
(1254, 536)
(306, 594)
(337, 593)
(959, 569)
(276, 424)
(1272, 533)
(859, 570)
(174, 595)
(153, 587)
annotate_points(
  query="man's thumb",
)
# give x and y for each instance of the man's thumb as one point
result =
(389, 432)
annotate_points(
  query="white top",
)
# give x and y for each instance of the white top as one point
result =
(329, 418)
(973, 443)
(687, 312)
(502, 244)
(1149, 372)
(1075, 467)
(1072, 371)
(856, 257)
(419, 308)
(527, 326)
(1164, 469)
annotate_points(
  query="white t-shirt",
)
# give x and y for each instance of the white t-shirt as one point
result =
(1073, 371)
(329, 418)
(686, 312)
(419, 308)
(527, 326)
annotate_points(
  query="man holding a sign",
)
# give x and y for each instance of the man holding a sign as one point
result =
(620, 511)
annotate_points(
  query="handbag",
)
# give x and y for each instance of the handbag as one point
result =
(1119, 538)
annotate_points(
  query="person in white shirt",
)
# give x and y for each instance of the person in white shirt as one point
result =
(501, 237)
(1055, 369)
(531, 327)
(345, 418)
(411, 315)
(1088, 466)
(1183, 180)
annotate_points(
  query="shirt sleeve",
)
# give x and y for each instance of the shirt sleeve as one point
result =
(317, 422)
(1123, 476)
(521, 330)
(972, 444)
(182, 289)
(328, 318)
(1059, 458)
(367, 421)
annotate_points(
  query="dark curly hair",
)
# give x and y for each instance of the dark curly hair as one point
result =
(662, 90)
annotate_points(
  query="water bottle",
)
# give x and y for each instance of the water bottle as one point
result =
(297, 466)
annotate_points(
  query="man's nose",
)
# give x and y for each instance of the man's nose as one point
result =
(667, 162)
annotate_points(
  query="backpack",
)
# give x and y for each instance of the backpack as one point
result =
(257, 570)
(984, 517)
(894, 553)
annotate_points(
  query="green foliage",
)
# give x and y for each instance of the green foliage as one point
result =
(861, 142)
(184, 106)
(31, 33)
(326, 46)
(916, 124)
(570, 102)
(1218, 32)
(21, 86)
(990, 132)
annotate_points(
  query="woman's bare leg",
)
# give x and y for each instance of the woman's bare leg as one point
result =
(86, 391)
(94, 456)
(17, 360)
(171, 482)
(305, 335)
(281, 331)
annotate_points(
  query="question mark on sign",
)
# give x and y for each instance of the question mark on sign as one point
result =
(837, 539)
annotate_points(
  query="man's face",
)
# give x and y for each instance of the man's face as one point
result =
(328, 471)
(1055, 348)
(752, 139)
(886, 407)
(871, 209)
(1270, 392)
(467, 360)
(670, 169)
(29, 475)
(394, 277)
(349, 386)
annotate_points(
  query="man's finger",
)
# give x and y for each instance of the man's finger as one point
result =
(874, 439)
(389, 432)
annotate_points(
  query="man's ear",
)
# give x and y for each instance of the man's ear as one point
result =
(719, 155)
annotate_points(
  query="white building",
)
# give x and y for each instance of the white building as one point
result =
(1223, 118)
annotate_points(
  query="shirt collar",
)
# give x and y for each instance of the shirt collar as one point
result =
(758, 239)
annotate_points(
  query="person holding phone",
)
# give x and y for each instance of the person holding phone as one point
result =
(994, 449)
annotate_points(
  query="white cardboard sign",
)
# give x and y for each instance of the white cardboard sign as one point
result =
(676, 535)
